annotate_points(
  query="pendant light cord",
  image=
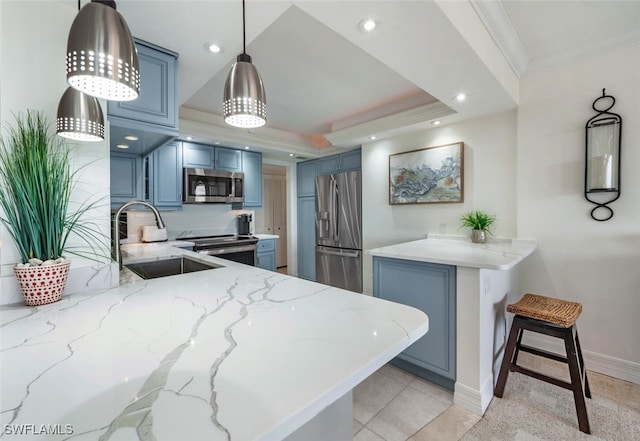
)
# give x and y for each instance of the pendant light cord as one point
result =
(244, 32)
(244, 56)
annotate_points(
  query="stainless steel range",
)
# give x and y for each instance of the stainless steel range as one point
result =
(241, 249)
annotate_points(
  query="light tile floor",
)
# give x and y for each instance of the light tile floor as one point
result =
(393, 405)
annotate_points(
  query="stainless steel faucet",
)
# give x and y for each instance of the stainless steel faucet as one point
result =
(117, 253)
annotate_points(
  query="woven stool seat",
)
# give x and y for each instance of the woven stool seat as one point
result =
(557, 311)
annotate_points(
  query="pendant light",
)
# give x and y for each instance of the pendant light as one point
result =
(102, 60)
(80, 117)
(245, 103)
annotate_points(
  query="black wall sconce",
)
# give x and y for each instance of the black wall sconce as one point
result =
(602, 165)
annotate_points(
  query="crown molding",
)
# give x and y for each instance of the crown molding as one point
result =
(388, 125)
(591, 48)
(499, 26)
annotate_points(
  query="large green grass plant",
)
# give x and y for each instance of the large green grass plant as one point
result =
(36, 182)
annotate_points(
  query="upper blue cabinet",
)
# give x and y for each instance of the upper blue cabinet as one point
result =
(153, 116)
(197, 155)
(343, 162)
(207, 156)
(252, 169)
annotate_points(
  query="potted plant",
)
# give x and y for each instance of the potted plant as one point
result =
(36, 181)
(479, 222)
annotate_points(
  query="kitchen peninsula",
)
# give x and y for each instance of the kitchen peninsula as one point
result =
(232, 353)
(464, 288)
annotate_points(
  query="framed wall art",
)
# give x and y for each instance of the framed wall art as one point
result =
(426, 176)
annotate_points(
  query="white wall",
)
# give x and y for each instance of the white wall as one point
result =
(489, 184)
(594, 263)
(33, 77)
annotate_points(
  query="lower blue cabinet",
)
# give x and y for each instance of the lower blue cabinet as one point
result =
(267, 254)
(430, 288)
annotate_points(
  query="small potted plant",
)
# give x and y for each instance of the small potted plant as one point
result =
(36, 181)
(479, 222)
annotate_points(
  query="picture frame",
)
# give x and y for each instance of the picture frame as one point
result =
(431, 175)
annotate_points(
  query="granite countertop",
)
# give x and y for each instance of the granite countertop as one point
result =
(235, 353)
(497, 254)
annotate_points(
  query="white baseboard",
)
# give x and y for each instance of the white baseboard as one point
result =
(468, 398)
(603, 364)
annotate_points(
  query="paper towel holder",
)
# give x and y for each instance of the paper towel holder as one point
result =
(602, 157)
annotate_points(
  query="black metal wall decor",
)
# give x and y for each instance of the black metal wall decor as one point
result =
(602, 164)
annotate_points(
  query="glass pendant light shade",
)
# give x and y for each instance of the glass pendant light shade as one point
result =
(102, 60)
(80, 117)
(245, 103)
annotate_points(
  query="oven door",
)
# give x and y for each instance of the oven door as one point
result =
(242, 253)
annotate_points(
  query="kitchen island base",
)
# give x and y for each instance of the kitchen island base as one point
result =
(335, 422)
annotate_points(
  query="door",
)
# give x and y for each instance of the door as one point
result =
(339, 210)
(339, 267)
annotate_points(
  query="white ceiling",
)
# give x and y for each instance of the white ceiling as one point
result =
(330, 85)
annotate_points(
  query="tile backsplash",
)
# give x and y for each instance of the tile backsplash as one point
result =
(192, 220)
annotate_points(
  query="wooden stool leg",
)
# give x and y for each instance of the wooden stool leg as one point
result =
(514, 334)
(576, 380)
(583, 371)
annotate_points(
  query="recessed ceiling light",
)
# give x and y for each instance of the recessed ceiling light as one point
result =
(372, 137)
(189, 138)
(217, 143)
(290, 154)
(460, 97)
(246, 147)
(213, 48)
(131, 138)
(122, 146)
(369, 24)
(436, 122)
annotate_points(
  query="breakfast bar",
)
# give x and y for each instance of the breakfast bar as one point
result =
(229, 353)
(483, 277)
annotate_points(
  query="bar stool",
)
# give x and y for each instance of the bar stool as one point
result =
(557, 318)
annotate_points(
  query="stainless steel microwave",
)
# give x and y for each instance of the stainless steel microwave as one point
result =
(203, 185)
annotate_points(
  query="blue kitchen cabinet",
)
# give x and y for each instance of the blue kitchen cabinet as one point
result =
(252, 169)
(307, 238)
(207, 156)
(306, 189)
(430, 288)
(306, 178)
(227, 159)
(197, 155)
(342, 162)
(166, 177)
(126, 178)
(351, 161)
(156, 103)
(328, 165)
(267, 254)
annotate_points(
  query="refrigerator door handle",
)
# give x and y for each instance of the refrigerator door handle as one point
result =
(338, 253)
(336, 211)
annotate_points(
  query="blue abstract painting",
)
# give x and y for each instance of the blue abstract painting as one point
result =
(429, 175)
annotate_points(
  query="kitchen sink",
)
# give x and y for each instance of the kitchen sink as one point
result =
(169, 267)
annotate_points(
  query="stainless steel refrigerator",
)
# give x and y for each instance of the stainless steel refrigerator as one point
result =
(339, 230)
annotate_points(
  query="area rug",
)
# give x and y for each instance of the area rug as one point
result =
(532, 410)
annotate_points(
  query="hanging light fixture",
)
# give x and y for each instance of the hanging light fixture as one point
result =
(80, 117)
(102, 60)
(245, 103)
